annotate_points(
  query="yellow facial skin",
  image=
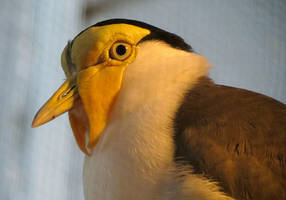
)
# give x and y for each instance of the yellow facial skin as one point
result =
(89, 92)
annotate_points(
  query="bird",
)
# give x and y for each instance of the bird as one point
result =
(154, 125)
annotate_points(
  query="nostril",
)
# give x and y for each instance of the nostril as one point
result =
(66, 93)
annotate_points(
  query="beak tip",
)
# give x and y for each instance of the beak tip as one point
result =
(34, 123)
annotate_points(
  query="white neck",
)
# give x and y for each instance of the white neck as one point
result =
(134, 156)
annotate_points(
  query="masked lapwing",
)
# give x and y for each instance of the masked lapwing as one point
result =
(153, 125)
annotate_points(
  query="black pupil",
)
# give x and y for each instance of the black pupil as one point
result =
(121, 49)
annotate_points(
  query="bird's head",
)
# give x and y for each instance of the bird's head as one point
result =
(94, 63)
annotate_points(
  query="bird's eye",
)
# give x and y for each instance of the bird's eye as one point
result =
(120, 51)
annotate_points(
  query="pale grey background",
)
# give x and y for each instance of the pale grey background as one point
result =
(244, 40)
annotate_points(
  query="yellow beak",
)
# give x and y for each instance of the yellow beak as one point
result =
(88, 96)
(61, 101)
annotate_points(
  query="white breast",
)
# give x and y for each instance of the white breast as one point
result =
(134, 156)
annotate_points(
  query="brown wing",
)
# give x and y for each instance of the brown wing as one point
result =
(235, 137)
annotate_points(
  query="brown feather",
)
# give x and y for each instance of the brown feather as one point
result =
(235, 137)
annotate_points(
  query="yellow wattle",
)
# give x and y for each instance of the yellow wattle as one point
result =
(79, 124)
(98, 87)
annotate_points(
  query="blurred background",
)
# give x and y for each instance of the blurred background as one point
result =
(244, 40)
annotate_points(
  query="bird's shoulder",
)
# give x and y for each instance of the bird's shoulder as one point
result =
(234, 136)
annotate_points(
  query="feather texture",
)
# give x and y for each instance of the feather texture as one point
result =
(134, 157)
(236, 137)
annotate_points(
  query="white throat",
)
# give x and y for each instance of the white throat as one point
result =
(134, 156)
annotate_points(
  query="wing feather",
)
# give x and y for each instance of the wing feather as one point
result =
(236, 137)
